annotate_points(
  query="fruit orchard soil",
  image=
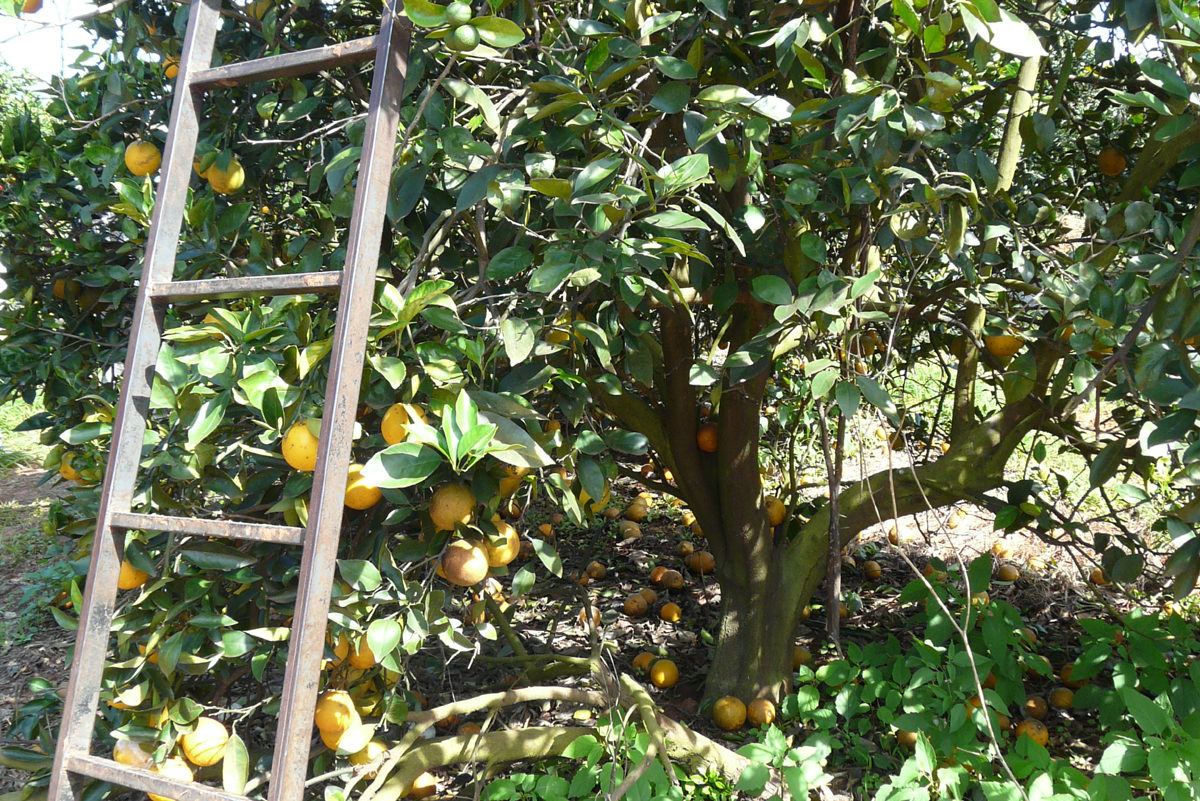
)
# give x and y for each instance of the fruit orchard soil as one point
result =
(32, 644)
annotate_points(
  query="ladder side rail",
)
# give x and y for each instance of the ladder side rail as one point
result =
(91, 640)
(307, 644)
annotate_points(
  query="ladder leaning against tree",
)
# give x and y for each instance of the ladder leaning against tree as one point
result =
(73, 762)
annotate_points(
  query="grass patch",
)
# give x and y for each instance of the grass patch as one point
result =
(18, 448)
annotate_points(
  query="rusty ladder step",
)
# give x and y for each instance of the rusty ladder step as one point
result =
(276, 284)
(285, 65)
(107, 770)
(227, 529)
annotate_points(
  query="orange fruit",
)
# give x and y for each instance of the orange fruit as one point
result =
(451, 505)
(546, 530)
(173, 768)
(1003, 723)
(1065, 674)
(706, 437)
(663, 673)
(701, 562)
(596, 618)
(650, 595)
(685, 548)
(776, 511)
(500, 555)
(672, 579)
(729, 713)
(800, 656)
(635, 605)
(142, 158)
(1035, 707)
(1007, 573)
(335, 712)
(300, 448)
(906, 739)
(360, 492)
(642, 661)
(1003, 346)
(204, 746)
(893, 535)
(130, 577)
(872, 570)
(1098, 578)
(464, 563)
(372, 751)
(596, 570)
(1111, 162)
(656, 575)
(1001, 549)
(637, 511)
(395, 423)
(989, 681)
(227, 181)
(760, 712)
(671, 613)
(1028, 635)
(131, 753)
(1061, 698)
(1033, 729)
(422, 787)
(362, 657)
(469, 728)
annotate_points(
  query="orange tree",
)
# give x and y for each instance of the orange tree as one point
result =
(616, 232)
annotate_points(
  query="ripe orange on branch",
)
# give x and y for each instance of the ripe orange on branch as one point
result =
(706, 437)
(451, 505)
(464, 563)
(1111, 162)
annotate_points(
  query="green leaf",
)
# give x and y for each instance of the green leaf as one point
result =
(391, 368)
(474, 189)
(848, 397)
(235, 765)
(823, 382)
(754, 779)
(878, 397)
(675, 220)
(594, 174)
(1123, 756)
(404, 465)
(498, 31)
(425, 14)
(519, 339)
(1164, 76)
(360, 574)
(1106, 463)
(771, 289)
(383, 636)
(512, 260)
(521, 450)
(1147, 715)
(675, 68)
(208, 555)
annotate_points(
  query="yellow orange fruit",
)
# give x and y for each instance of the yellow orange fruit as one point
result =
(373, 750)
(663, 673)
(1061, 698)
(1003, 346)
(685, 549)
(671, 613)
(629, 530)
(228, 180)
(172, 768)
(800, 656)
(596, 570)
(300, 448)
(702, 562)
(423, 786)
(31, 6)
(650, 595)
(776, 511)
(643, 661)
(1035, 707)
(760, 712)
(450, 506)
(395, 423)
(1033, 729)
(1067, 672)
(335, 712)
(361, 493)
(464, 563)
(706, 437)
(1111, 162)
(362, 657)
(1001, 549)
(130, 577)
(171, 68)
(592, 505)
(729, 713)
(656, 575)
(906, 739)
(469, 728)
(672, 580)
(205, 744)
(872, 570)
(142, 158)
(500, 555)
(637, 511)
(133, 754)
(1008, 573)
(1099, 578)
(635, 605)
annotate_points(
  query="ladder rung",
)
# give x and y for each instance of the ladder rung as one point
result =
(106, 770)
(285, 284)
(228, 529)
(286, 65)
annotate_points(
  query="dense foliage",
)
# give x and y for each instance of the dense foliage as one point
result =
(708, 235)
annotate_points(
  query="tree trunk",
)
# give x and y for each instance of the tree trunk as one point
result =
(759, 614)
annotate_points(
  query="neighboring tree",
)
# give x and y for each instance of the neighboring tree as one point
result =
(618, 231)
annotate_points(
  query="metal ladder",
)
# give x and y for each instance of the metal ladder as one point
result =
(73, 762)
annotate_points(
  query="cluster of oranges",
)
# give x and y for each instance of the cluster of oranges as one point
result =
(202, 747)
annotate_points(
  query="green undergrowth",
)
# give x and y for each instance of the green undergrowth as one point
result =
(1131, 729)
